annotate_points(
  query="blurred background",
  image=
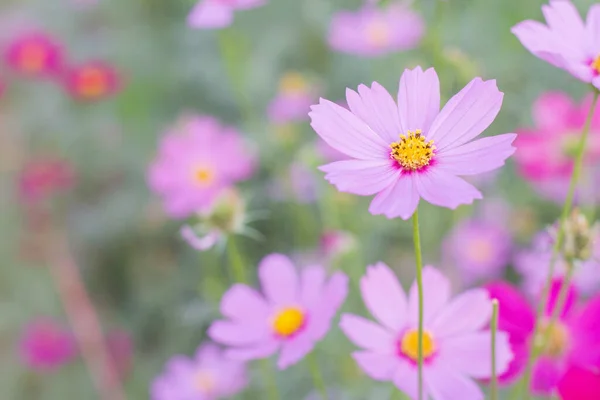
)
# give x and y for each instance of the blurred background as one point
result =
(80, 226)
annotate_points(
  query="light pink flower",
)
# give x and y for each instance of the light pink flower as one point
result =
(456, 348)
(293, 100)
(411, 150)
(565, 41)
(372, 31)
(216, 14)
(293, 313)
(46, 345)
(207, 376)
(196, 160)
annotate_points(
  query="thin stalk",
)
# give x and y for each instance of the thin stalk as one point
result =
(559, 239)
(560, 303)
(494, 327)
(315, 371)
(271, 383)
(419, 262)
(236, 261)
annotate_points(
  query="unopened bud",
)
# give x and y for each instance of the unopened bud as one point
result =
(578, 238)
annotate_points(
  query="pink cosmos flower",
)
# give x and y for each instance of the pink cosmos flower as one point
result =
(216, 14)
(574, 340)
(293, 314)
(579, 384)
(46, 345)
(196, 160)
(372, 31)
(92, 81)
(207, 376)
(478, 249)
(566, 41)
(34, 54)
(334, 243)
(455, 346)
(293, 100)
(545, 154)
(412, 150)
(43, 177)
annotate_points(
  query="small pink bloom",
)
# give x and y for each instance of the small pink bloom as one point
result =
(372, 31)
(46, 345)
(34, 54)
(293, 313)
(565, 41)
(456, 346)
(196, 160)
(293, 100)
(207, 376)
(120, 348)
(574, 340)
(216, 14)
(579, 384)
(42, 178)
(93, 81)
(335, 243)
(411, 150)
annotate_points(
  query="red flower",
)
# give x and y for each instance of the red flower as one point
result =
(93, 81)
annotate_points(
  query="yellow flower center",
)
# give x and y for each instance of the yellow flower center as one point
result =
(409, 345)
(293, 83)
(288, 321)
(596, 64)
(205, 381)
(553, 339)
(480, 250)
(33, 57)
(378, 33)
(412, 151)
(204, 175)
(92, 82)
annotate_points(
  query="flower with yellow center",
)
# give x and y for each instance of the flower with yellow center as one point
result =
(413, 151)
(288, 321)
(596, 65)
(203, 175)
(293, 83)
(409, 345)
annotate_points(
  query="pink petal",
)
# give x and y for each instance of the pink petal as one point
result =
(279, 280)
(466, 115)
(238, 334)
(347, 133)
(293, 351)
(262, 350)
(406, 379)
(367, 334)
(446, 383)
(593, 29)
(516, 316)
(242, 303)
(478, 156)
(384, 297)
(210, 14)
(570, 301)
(585, 329)
(468, 312)
(397, 200)
(579, 384)
(418, 99)
(381, 367)
(436, 293)
(362, 177)
(312, 281)
(564, 21)
(540, 41)
(553, 110)
(333, 295)
(443, 189)
(546, 374)
(377, 109)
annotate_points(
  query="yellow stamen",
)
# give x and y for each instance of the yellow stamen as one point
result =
(557, 337)
(204, 175)
(288, 321)
(412, 151)
(293, 83)
(409, 345)
(596, 64)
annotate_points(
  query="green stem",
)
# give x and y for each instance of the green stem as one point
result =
(559, 239)
(236, 261)
(317, 376)
(271, 383)
(560, 304)
(419, 262)
(494, 327)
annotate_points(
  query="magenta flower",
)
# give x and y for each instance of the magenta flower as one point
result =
(579, 384)
(478, 249)
(574, 340)
(412, 150)
(456, 347)
(545, 154)
(44, 177)
(46, 345)
(207, 376)
(293, 100)
(120, 347)
(372, 31)
(35, 54)
(566, 41)
(292, 315)
(197, 160)
(216, 14)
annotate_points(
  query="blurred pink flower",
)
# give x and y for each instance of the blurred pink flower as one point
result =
(409, 151)
(45, 345)
(566, 41)
(196, 160)
(579, 384)
(455, 345)
(215, 14)
(574, 340)
(41, 178)
(120, 348)
(34, 54)
(293, 99)
(372, 31)
(207, 376)
(478, 249)
(335, 243)
(293, 313)
(94, 80)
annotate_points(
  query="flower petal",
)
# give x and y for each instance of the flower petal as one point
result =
(592, 29)
(478, 156)
(516, 316)
(367, 334)
(209, 14)
(541, 42)
(418, 99)
(293, 351)
(238, 334)
(242, 303)
(278, 279)
(362, 177)
(467, 114)
(262, 350)
(443, 189)
(564, 21)
(347, 133)
(579, 384)
(312, 281)
(436, 293)
(384, 297)
(546, 375)
(332, 297)
(381, 367)
(377, 109)
(553, 111)
(446, 383)
(468, 312)
(397, 200)
(406, 379)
